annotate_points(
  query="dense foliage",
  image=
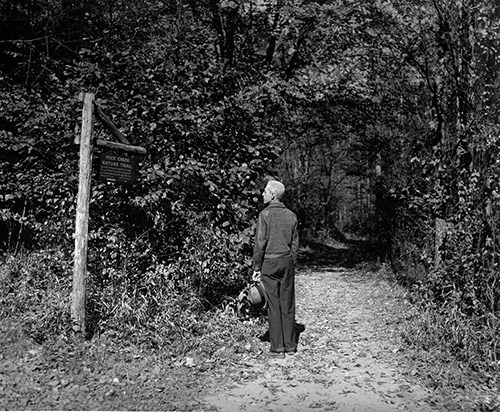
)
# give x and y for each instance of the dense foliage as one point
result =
(447, 223)
(381, 117)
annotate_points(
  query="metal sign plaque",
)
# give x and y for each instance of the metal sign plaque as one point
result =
(121, 168)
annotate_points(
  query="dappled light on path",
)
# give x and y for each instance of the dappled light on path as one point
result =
(347, 359)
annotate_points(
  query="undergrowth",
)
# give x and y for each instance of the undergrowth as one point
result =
(36, 289)
(466, 339)
(158, 309)
(447, 350)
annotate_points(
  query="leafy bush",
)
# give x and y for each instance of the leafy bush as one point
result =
(159, 300)
(38, 163)
(157, 307)
(213, 263)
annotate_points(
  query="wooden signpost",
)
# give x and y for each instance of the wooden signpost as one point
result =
(113, 167)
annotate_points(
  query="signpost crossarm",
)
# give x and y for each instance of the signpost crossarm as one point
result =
(110, 126)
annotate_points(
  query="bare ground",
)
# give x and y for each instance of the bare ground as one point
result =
(348, 352)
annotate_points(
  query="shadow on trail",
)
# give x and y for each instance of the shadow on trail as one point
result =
(347, 255)
(299, 328)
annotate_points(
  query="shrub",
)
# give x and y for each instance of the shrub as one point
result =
(160, 306)
(212, 263)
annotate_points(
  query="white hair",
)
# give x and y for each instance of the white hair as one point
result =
(277, 188)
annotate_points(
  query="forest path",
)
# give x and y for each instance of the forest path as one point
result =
(347, 356)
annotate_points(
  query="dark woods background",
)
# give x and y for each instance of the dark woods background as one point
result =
(381, 118)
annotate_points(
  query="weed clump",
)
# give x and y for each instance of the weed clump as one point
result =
(37, 288)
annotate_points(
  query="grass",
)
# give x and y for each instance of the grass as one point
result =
(450, 352)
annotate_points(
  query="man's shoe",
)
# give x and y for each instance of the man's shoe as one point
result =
(276, 355)
(291, 354)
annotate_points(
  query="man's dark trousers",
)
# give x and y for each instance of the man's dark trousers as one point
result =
(278, 276)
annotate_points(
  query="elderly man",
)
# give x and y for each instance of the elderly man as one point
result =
(275, 255)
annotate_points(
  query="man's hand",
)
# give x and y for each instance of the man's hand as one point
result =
(256, 276)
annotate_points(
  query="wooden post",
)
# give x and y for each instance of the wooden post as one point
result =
(82, 218)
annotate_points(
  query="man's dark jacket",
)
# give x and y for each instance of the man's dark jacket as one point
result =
(276, 235)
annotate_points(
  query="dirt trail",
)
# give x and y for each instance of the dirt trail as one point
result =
(348, 352)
